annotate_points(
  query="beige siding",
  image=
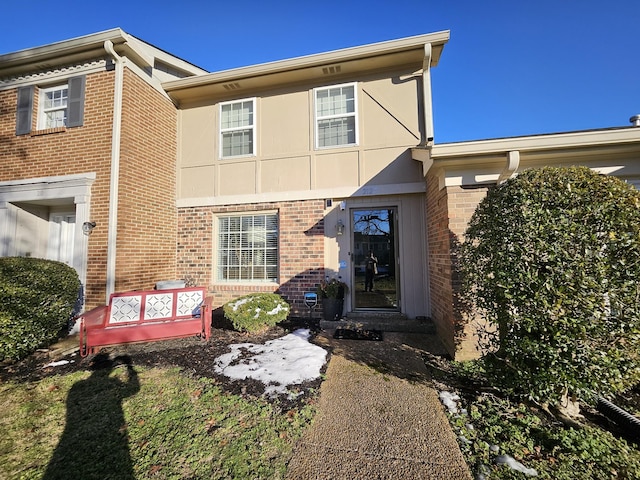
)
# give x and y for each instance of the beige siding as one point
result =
(198, 147)
(297, 177)
(280, 129)
(333, 169)
(412, 256)
(237, 178)
(285, 158)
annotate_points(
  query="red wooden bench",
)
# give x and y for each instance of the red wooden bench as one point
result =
(144, 316)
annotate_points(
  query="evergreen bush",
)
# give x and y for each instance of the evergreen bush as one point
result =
(256, 311)
(37, 298)
(552, 259)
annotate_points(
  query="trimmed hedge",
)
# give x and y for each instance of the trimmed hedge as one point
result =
(552, 258)
(256, 311)
(37, 300)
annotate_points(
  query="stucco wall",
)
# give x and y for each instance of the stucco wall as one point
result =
(285, 157)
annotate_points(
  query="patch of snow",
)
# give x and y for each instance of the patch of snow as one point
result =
(57, 364)
(449, 400)
(279, 363)
(276, 310)
(513, 464)
(242, 301)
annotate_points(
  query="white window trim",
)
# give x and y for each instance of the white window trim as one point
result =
(41, 124)
(253, 127)
(216, 246)
(354, 114)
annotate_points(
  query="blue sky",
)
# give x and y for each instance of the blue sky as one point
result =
(510, 67)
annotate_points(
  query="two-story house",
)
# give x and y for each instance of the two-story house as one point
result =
(287, 170)
(135, 166)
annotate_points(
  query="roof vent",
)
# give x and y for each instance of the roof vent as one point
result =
(635, 120)
(231, 86)
(332, 70)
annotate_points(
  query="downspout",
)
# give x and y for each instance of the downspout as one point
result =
(513, 162)
(426, 96)
(112, 232)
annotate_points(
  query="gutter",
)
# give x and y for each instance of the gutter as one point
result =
(114, 181)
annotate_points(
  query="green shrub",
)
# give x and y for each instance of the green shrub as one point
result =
(37, 300)
(256, 311)
(552, 258)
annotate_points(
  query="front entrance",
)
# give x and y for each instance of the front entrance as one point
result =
(374, 261)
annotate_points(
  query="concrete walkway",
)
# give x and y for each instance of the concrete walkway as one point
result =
(378, 417)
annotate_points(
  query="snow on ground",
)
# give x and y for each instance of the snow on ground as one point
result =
(450, 401)
(279, 363)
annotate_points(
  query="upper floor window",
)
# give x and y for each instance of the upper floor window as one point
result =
(58, 106)
(248, 248)
(237, 128)
(53, 107)
(336, 119)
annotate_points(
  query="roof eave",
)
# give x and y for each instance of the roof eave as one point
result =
(437, 40)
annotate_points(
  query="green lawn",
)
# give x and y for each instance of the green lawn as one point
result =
(141, 423)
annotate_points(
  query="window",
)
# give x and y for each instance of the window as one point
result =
(248, 248)
(58, 106)
(336, 120)
(53, 107)
(237, 128)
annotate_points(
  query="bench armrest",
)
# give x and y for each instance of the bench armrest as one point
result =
(207, 316)
(92, 319)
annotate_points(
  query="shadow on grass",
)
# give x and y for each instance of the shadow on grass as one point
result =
(94, 443)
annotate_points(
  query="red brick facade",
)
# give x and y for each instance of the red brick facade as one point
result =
(448, 213)
(300, 250)
(147, 214)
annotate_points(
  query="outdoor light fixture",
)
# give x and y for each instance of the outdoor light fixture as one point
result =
(87, 227)
(340, 227)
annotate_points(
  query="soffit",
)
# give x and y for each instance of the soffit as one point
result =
(323, 68)
(80, 49)
(485, 162)
(540, 148)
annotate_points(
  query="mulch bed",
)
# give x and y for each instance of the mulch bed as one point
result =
(193, 356)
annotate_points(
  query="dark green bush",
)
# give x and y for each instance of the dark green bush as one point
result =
(37, 298)
(256, 311)
(552, 258)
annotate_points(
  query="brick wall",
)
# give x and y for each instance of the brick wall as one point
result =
(448, 213)
(64, 152)
(147, 216)
(146, 239)
(300, 250)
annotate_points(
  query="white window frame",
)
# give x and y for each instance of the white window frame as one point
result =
(251, 127)
(319, 118)
(222, 269)
(43, 111)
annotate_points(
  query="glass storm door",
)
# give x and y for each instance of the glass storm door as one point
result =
(374, 265)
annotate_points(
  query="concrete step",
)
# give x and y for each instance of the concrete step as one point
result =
(386, 322)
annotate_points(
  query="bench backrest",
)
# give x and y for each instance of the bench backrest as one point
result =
(154, 305)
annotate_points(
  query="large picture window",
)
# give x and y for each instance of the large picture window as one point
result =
(336, 120)
(237, 128)
(248, 248)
